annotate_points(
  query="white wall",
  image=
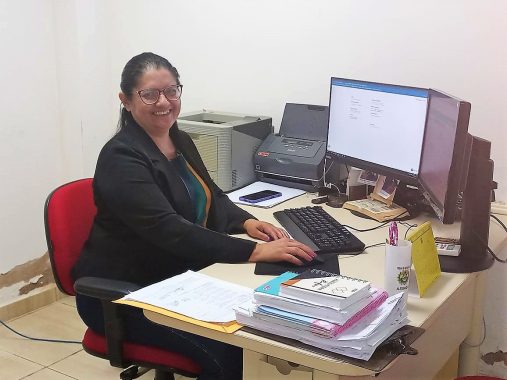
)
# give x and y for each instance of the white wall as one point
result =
(254, 56)
(56, 94)
(30, 152)
(242, 56)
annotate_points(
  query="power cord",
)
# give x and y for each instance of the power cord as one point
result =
(39, 339)
(362, 252)
(499, 221)
(367, 229)
(410, 226)
(328, 185)
(485, 244)
(483, 336)
(371, 246)
(382, 225)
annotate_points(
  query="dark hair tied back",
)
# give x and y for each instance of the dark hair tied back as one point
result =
(133, 70)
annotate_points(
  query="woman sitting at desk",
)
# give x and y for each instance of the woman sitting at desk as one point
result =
(159, 214)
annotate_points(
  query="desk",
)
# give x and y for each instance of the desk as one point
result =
(450, 312)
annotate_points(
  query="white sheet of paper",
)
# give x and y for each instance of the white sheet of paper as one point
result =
(287, 193)
(195, 295)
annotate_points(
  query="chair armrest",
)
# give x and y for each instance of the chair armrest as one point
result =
(103, 288)
(106, 291)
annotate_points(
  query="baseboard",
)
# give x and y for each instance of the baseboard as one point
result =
(34, 300)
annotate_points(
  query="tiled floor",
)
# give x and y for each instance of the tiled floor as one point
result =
(22, 358)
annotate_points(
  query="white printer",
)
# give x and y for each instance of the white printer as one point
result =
(295, 156)
(227, 143)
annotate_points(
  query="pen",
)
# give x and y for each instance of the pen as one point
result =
(393, 233)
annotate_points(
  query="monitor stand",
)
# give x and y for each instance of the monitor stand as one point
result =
(474, 256)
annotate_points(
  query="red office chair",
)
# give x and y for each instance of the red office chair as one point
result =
(68, 217)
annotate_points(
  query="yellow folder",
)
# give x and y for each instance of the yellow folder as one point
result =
(424, 256)
(228, 327)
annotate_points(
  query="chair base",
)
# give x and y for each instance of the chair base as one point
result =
(162, 375)
(134, 371)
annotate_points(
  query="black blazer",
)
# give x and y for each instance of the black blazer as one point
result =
(144, 229)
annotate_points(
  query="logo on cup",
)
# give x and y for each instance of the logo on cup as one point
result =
(403, 276)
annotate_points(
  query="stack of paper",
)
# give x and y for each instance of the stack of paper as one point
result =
(356, 330)
(270, 294)
(358, 341)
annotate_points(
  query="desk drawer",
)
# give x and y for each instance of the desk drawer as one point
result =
(262, 367)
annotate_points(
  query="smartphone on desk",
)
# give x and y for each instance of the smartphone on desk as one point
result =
(260, 196)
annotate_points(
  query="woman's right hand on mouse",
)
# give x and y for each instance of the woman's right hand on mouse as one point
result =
(284, 249)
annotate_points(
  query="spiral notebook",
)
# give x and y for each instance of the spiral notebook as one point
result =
(329, 290)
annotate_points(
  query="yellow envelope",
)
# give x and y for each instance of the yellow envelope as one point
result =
(424, 256)
(228, 327)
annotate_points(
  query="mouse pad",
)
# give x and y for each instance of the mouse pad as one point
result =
(330, 264)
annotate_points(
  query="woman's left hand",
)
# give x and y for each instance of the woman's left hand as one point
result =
(263, 230)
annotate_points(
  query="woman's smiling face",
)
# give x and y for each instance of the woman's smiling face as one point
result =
(156, 117)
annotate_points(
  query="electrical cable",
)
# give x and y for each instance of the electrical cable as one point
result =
(494, 255)
(410, 226)
(485, 244)
(342, 256)
(367, 229)
(483, 336)
(380, 225)
(328, 185)
(499, 221)
(39, 339)
(372, 245)
(326, 170)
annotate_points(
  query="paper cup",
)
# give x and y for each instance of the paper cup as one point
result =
(398, 260)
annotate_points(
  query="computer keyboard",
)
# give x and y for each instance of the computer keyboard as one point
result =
(317, 229)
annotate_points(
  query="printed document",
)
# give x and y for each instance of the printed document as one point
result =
(195, 295)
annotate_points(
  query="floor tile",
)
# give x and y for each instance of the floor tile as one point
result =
(14, 368)
(83, 366)
(48, 374)
(25, 359)
(56, 321)
(68, 300)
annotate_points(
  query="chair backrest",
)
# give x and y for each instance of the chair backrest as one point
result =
(68, 218)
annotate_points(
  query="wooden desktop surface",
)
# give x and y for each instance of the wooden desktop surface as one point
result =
(450, 311)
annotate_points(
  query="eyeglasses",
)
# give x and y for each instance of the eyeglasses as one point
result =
(150, 96)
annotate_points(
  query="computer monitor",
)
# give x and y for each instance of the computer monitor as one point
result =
(443, 153)
(419, 136)
(456, 166)
(377, 127)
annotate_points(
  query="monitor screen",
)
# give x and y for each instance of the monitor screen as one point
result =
(377, 127)
(443, 153)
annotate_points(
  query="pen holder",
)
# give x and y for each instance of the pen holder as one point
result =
(398, 260)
